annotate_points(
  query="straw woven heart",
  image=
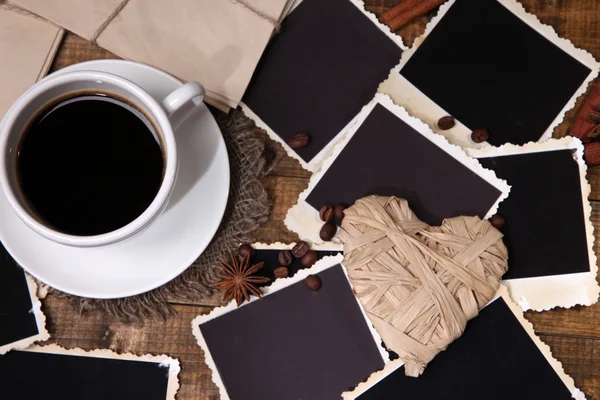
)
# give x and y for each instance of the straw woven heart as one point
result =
(419, 284)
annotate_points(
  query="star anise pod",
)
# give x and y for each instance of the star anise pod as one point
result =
(239, 282)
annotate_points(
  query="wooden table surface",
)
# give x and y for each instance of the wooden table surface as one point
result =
(573, 334)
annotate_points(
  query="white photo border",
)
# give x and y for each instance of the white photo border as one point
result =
(279, 284)
(303, 219)
(577, 394)
(315, 163)
(40, 320)
(566, 290)
(418, 104)
(162, 360)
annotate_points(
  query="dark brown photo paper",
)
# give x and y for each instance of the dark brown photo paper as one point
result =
(54, 373)
(319, 70)
(294, 343)
(388, 157)
(21, 320)
(495, 359)
(487, 67)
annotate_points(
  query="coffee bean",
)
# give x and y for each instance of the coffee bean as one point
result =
(328, 231)
(285, 257)
(497, 221)
(446, 123)
(479, 135)
(309, 259)
(281, 272)
(326, 213)
(300, 249)
(246, 249)
(339, 211)
(313, 282)
(299, 141)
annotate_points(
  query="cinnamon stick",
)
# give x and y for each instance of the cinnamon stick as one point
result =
(398, 9)
(406, 11)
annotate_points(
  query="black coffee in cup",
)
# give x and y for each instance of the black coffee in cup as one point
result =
(89, 163)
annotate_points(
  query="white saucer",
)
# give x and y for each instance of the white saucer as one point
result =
(166, 248)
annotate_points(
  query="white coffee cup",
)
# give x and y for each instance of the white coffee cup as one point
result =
(27, 106)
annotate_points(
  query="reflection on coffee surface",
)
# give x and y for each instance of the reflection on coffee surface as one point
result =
(89, 163)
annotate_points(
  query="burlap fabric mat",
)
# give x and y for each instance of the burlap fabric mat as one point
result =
(248, 206)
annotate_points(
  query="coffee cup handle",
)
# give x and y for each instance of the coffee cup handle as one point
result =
(183, 95)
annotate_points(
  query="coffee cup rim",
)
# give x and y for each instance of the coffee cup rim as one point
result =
(170, 152)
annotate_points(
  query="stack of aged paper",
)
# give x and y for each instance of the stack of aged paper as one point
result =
(216, 43)
(27, 48)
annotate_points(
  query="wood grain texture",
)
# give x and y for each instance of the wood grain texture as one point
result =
(593, 177)
(573, 335)
(580, 358)
(75, 49)
(151, 336)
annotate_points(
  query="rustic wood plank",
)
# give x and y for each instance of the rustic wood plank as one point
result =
(75, 49)
(574, 321)
(572, 334)
(150, 336)
(580, 358)
(593, 177)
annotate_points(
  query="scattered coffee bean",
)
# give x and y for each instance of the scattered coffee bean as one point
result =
(246, 249)
(497, 221)
(328, 231)
(313, 282)
(480, 135)
(300, 249)
(597, 106)
(339, 211)
(299, 141)
(309, 259)
(285, 257)
(281, 272)
(446, 123)
(326, 213)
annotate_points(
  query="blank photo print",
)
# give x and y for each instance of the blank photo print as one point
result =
(54, 373)
(389, 153)
(548, 229)
(498, 357)
(293, 343)
(317, 73)
(21, 319)
(491, 65)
